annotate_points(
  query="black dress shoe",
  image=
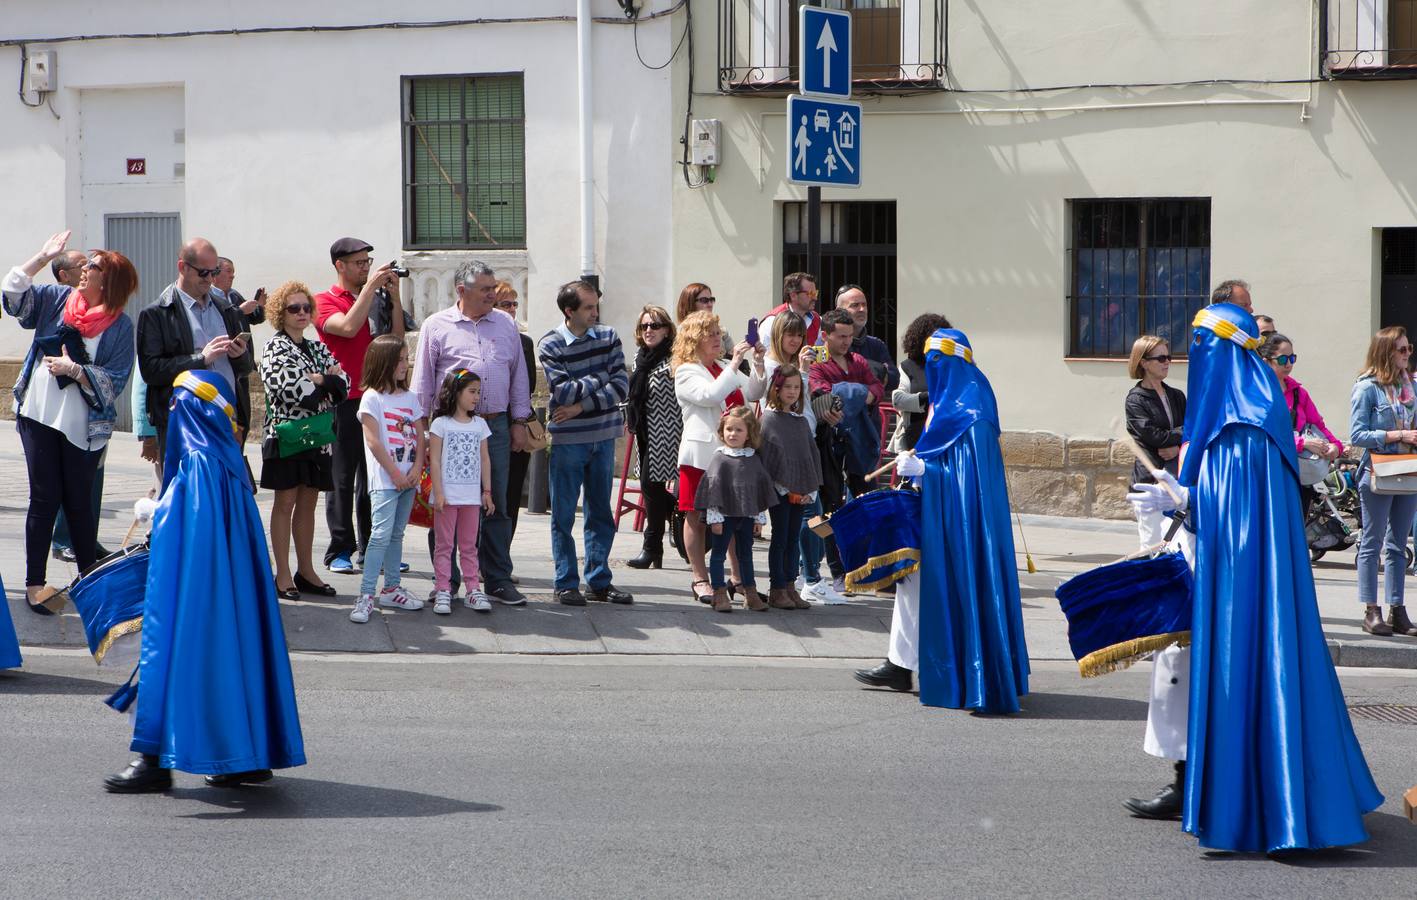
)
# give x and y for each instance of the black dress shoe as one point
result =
(64, 554)
(236, 779)
(289, 593)
(570, 597)
(887, 674)
(648, 559)
(1167, 802)
(306, 586)
(143, 776)
(611, 594)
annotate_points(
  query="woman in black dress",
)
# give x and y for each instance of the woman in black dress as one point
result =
(652, 416)
(302, 379)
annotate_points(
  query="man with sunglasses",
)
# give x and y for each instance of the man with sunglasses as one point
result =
(799, 294)
(192, 326)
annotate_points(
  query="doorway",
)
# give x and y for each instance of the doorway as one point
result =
(151, 241)
(1398, 305)
(858, 247)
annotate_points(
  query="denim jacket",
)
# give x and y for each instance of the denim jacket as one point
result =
(41, 310)
(1372, 416)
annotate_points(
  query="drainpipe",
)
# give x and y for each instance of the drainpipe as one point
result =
(583, 59)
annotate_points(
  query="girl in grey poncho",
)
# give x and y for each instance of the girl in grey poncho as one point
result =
(735, 492)
(790, 454)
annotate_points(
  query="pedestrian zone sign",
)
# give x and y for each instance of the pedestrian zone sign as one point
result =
(824, 52)
(823, 142)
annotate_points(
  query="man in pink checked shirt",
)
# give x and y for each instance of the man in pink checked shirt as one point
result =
(472, 334)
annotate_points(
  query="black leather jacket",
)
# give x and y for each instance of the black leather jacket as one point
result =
(165, 351)
(1146, 421)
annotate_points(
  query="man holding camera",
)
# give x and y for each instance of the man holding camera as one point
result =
(342, 321)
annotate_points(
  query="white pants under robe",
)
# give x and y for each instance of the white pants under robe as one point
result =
(905, 624)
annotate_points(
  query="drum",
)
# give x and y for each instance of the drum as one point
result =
(109, 600)
(878, 538)
(1120, 612)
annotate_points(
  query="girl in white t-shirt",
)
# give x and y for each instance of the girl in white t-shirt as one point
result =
(457, 458)
(393, 456)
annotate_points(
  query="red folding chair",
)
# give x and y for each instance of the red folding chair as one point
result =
(623, 503)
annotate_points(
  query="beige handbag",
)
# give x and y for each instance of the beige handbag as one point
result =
(536, 436)
(1393, 473)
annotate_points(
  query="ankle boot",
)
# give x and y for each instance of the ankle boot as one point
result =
(779, 598)
(1398, 621)
(722, 600)
(1167, 802)
(649, 558)
(752, 600)
(1373, 621)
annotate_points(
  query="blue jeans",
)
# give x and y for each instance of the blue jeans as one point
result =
(576, 468)
(786, 521)
(813, 548)
(389, 510)
(739, 530)
(1387, 519)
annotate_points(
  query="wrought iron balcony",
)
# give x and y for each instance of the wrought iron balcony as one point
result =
(897, 46)
(1373, 39)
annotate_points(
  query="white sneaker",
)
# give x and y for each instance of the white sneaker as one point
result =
(477, 600)
(362, 608)
(800, 584)
(442, 603)
(398, 598)
(823, 592)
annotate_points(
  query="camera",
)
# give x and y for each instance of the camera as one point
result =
(398, 270)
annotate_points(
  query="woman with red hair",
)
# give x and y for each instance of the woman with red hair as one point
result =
(74, 373)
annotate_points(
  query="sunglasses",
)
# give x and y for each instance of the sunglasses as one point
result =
(93, 265)
(651, 326)
(808, 293)
(298, 308)
(203, 273)
(1404, 349)
(706, 301)
(1163, 358)
(1287, 359)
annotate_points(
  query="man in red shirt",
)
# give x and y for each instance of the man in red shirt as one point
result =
(841, 365)
(342, 320)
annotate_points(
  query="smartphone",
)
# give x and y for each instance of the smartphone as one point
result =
(752, 335)
(245, 338)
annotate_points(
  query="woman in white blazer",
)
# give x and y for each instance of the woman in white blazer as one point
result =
(705, 386)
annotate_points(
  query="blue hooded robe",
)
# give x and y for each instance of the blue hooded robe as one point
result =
(972, 652)
(1272, 761)
(9, 643)
(215, 691)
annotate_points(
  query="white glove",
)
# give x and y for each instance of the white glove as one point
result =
(907, 465)
(1154, 498)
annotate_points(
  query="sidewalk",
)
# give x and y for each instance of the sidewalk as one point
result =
(664, 618)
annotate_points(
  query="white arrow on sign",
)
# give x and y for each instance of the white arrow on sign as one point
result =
(827, 44)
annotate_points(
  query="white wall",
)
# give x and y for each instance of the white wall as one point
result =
(1299, 179)
(293, 140)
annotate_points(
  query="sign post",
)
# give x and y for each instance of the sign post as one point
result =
(823, 125)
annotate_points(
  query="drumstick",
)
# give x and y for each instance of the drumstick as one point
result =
(884, 469)
(1145, 458)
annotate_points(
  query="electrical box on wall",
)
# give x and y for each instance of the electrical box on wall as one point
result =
(40, 76)
(703, 142)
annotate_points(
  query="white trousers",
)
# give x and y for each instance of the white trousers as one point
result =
(905, 624)
(1167, 713)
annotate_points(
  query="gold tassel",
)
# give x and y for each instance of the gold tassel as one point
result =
(1121, 656)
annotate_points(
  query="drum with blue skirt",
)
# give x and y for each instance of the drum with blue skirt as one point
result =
(109, 600)
(1120, 612)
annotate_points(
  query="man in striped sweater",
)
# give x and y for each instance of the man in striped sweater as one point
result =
(585, 373)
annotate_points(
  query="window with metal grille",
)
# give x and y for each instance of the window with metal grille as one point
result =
(464, 162)
(1137, 267)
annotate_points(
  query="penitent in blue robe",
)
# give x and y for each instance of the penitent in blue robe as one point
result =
(972, 652)
(215, 692)
(1272, 761)
(9, 642)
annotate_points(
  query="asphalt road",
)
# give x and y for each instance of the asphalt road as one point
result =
(618, 776)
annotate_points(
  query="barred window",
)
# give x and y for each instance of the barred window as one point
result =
(1137, 267)
(464, 162)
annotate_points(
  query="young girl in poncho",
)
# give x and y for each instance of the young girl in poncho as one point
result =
(790, 454)
(734, 492)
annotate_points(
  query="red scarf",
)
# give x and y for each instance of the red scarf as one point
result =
(732, 400)
(87, 320)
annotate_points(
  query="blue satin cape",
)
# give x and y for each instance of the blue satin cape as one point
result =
(972, 651)
(9, 642)
(215, 690)
(1272, 761)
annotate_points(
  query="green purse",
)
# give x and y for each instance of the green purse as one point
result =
(299, 435)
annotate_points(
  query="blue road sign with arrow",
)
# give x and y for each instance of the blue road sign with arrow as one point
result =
(824, 52)
(823, 142)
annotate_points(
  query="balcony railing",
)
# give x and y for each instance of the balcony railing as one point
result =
(1369, 38)
(897, 46)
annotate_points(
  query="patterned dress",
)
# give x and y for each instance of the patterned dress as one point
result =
(291, 395)
(659, 428)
